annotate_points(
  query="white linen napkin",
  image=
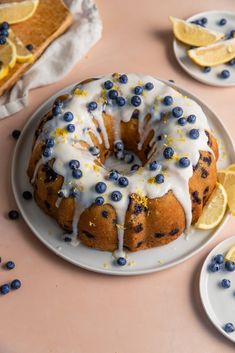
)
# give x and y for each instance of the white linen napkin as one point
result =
(59, 58)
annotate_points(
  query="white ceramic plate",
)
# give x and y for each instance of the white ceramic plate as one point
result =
(218, 302)
(47, 230)
(212, 77)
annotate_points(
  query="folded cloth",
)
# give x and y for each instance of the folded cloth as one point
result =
(59, 58)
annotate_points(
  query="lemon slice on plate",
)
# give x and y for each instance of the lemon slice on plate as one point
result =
(213, 54)
(3, 71)
(8, 54)
(22, 54)
(231, 254)
(15, 12)
(192, 34)
(227, 178)
(214, 210)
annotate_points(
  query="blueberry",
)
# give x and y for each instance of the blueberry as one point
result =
(13, 215)
(61, 193)
(113, 94)
(194, 134)
(77, 173)
(123, 181)
(94, 150)
(92, 106)
(4, 25)
(15, 284)
(168, 100)
(47, 152)
(27, 195)
(123, 78)
(231, 62)
(2, 40)
(182, 121)
(100, 187)
(10, 265)
(154, 165)
(4, 32)
(213, 267)
(50, 142)
(70, 128)
(159, 178)
(58, 103)
(120, 155)
(136, 101)
(121, 101)
(184, 162)
(229, 327)
(129, 157)
(219, 259)
(108, 84)
(222, 22)
(135, 167)
(68, 116)
(121, 261)
(191, 119)
(224, 74)
(177, 112)
(56, 110)
(231, 34)
(99, 200)
(168, 152)
(15, 134)
(206, 69)
(149, 86)
(229, 265)
(225, 283)
(74, 192)
(4, 289)
(74, 164)
(116, 196)
(113, 175)
(29, 47)
(119, 146)
(138, 90)
(204, 20)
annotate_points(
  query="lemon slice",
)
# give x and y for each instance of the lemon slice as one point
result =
(214, 210)
(231, 168)
(3, 71)
(8, 54)
(227, 179)
(22, 54)
(213, 54)
(15, 12)
(192, 34)
(231, 254)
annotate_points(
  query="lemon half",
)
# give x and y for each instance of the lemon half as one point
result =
(15, 12)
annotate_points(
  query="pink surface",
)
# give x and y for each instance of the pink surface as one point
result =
(63, 309)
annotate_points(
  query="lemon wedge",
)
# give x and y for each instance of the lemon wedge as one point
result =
(3, 71)
(8, 54)
(230, 256)
(213, 54)
(22, 54)
(15, 12)
(227, 179)
(214, 210)
(192, 34)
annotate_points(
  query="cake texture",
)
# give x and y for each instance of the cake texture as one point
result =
(123, 162)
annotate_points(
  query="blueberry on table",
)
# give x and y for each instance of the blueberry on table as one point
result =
(5, 289)
(13, 215)
(15, 284)
(16, 134)
(10, 265)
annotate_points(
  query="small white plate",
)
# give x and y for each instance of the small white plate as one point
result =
(219, 303)
(47, 230)
(212, 77)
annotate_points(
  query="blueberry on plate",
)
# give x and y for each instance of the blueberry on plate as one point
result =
(219, 259)
(229, 327)
(214, 267)
(224, 74)
(225, 283)
(121, 261)
(230, 266)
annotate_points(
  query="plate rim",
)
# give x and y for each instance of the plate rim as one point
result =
(132, 272)
(185, 68)
(202, 285)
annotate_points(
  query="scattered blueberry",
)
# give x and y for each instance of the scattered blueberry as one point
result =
(91, 106)
(47, 152)
(113, 94)
(229, 327)
(222, 22)
(214, 267)
(194, 134)
(10, 265)
(116, 196)
(168, 100)
(135, 167)
(29, 47)
(74, 164)
(56, 110)
(94, 150)
(184, 162)
(13, 214)
(27, 195)
(206, 69)
(121, 261)
(229, 265)
(15, 284)
(2, 40)
(219, 259)
(5, 289)
(138, 90)
(15, 134)
(231, 62)
(77, 173)
(123, 78)
(68, 116)
(70, 128)
(119, 146)
(108, 84)
(225, 283)
(121, 101)
(100, 187)
(182, 121)
(177, 112)
(168, 152)
(149, 86)
(136, 101)
(191, 119)
(123, 181)
(99, 200)
(154, 165)
(224, 74)
(159, 178)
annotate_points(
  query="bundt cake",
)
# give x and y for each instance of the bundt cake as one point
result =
(123, 161)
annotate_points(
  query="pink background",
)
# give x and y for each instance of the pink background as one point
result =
(63, 309)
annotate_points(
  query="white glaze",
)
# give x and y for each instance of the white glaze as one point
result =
(68, 145)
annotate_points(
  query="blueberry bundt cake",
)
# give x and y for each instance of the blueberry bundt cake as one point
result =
(123, 161)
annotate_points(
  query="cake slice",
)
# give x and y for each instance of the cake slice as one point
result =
(48, 22)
